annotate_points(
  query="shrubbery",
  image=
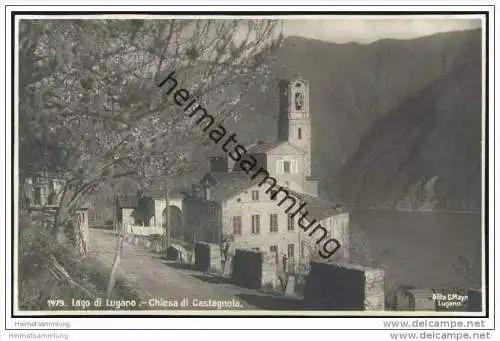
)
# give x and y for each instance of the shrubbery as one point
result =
(39, 254)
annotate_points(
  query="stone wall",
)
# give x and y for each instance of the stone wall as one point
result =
(374, 289)
(126, 217)
(341, 231)
(411, 299)
(474, 302)
(254, 269)
(207, 256)
(153, 244)
(335, 286)
(143, 230)
(160, 208)
(269, 270)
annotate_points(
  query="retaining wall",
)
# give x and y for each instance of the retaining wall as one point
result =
(254, 269)
(335, 286)
(207, 256)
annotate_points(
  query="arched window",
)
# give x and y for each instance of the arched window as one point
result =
(299, 100)
(299, 133)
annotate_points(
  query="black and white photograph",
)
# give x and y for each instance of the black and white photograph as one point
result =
(249, 164)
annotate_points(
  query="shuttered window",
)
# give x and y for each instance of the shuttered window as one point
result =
(279, 167)
(237, 225)
(287, 167)
(291, 225)
(255, 195)
(273, 222)
(255, 224)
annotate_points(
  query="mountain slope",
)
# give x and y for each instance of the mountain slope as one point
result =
(351, 86)
(426, 153)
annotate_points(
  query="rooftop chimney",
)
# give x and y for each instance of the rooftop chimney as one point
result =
(218, 164)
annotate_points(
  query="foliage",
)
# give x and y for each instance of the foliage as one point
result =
(144, 211)
(36, 283)
(90, 106)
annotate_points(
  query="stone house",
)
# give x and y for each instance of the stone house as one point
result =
(43, 192)
(148, 208)
(237, 208)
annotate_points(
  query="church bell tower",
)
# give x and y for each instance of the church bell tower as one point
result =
(294, 122)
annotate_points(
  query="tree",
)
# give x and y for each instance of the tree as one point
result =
(89, 88)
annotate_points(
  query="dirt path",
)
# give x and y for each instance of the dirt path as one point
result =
(154, 278)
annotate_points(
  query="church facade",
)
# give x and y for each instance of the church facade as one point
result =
(231, 204)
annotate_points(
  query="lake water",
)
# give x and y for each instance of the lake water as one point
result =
(435, 250)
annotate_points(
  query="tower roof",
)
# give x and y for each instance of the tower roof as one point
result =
(264, 147)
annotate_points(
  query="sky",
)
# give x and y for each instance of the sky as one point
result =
(362, 30)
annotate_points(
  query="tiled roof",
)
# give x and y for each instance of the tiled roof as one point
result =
(257, 147)
(225, 185)
(222, 177)
(263, 147)
(158, 192)
(318, 208)
(127, 200)
(155, 187)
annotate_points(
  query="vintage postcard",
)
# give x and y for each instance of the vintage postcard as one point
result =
(225, 164)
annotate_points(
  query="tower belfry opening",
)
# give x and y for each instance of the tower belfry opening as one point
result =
(294, 123)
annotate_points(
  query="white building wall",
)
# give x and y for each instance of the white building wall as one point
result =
(305, 246)
(160, 206)
(264, 207)
(127, 218)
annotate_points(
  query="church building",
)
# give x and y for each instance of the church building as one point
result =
(229, 204)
